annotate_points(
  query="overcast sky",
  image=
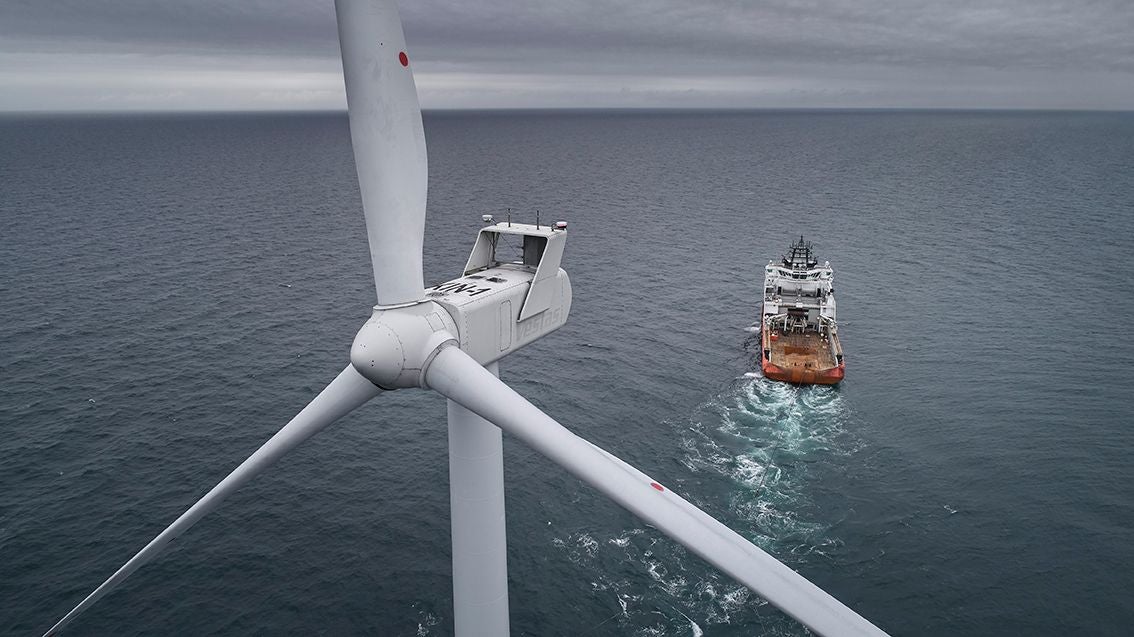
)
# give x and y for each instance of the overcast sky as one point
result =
(283, 54)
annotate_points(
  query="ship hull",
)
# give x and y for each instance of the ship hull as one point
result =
(795, 376)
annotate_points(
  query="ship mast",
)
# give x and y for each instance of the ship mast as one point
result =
(802, 257)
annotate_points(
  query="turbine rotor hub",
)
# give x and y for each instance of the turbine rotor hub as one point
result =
(394, 347)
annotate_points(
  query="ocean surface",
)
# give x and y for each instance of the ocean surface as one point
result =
(174, 288)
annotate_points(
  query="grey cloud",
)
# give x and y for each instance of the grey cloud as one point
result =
(1044, 33)
(167, 26)
(1044, 53)
(1037, 33)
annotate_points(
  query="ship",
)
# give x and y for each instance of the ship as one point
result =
(799, 337)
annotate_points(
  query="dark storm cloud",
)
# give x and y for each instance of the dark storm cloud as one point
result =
(586, 52)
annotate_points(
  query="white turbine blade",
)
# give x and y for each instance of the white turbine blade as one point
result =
(388, 141)
(461, 379)
(346, 393)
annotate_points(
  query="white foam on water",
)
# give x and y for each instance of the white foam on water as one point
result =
(588, 544)
(765, 438)
(694, 628)
(426, 620)
(622, 601)
(580, 547)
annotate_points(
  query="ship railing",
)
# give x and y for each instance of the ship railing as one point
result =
(815, 273)
(832, 336)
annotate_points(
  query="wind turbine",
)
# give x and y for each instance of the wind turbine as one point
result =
(449, 339)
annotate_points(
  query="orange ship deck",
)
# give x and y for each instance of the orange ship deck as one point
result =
(804, 358)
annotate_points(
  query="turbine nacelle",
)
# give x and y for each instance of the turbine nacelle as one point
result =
(498, 306)
(512, 292)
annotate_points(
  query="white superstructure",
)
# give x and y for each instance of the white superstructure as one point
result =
(799, 294)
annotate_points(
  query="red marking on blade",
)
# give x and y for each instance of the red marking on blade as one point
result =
(657, 486)
(403, 59)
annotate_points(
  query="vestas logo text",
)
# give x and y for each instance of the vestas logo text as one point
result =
(456, 287)
(536, 325)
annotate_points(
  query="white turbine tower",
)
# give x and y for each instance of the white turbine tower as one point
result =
(449, 340)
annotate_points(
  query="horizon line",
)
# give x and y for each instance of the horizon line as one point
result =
(578, 109)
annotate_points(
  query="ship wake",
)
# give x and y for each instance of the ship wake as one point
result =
(766, 436)
(753, 452)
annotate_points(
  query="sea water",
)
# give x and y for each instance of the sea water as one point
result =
(175, 287)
